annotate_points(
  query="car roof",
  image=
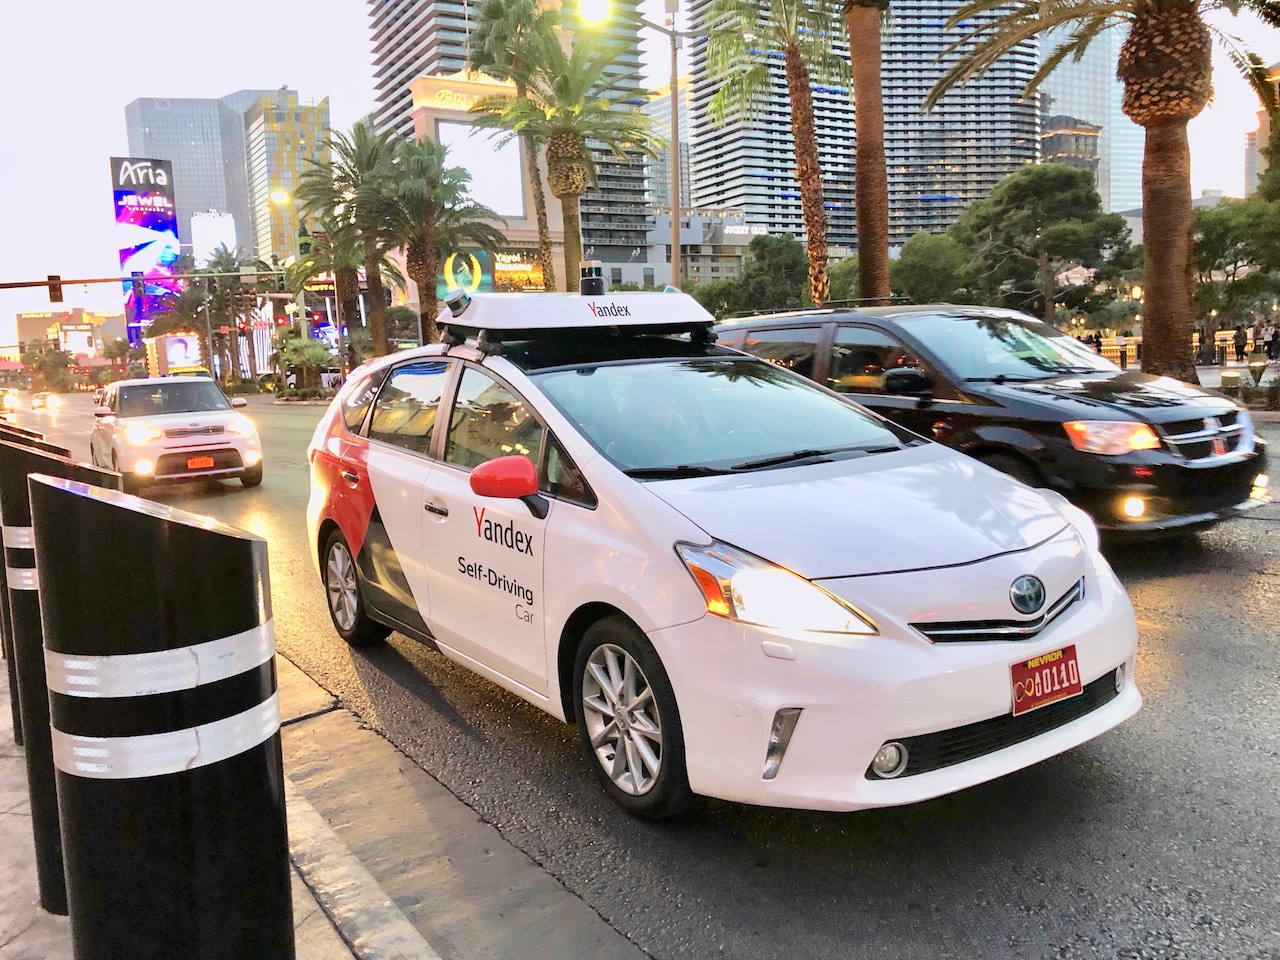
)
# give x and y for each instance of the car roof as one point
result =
(144, 381)
(896, 312)
(507, 313)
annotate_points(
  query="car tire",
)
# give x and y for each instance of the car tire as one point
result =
(616, 649)
(1021, 469)
(343, 595)
(252, 477)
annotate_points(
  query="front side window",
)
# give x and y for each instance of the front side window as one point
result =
(153, 399)
(489, 421)
(405, 411)
(562, 478)
(861, 357)
(792, 348)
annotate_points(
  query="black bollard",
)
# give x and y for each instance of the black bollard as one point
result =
(166, 729)
(16, 463)
(26, 438)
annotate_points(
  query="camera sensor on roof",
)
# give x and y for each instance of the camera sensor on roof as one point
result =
(591, 278)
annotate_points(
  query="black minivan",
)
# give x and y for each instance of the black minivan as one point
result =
(1138, 452)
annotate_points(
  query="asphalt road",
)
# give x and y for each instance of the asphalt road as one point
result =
(1159, 840)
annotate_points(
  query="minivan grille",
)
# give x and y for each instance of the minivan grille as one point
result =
(1205, 438)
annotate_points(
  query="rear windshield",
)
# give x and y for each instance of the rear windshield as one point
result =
(190, 396)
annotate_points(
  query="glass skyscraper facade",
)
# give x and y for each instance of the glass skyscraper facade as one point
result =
(937, 162)
(283, 139)
(1089, 91)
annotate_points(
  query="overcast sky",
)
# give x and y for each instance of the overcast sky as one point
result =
(68, 68)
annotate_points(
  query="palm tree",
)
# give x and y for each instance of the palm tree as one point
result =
(357, 187)
(573, 99)
(745, 32)
(436, 212)
(1167, 72)
(117, 351)
(509, 40)
(229, 296)
(863, 20)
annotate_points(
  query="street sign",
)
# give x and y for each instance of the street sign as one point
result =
(224, 329)
(261, 325)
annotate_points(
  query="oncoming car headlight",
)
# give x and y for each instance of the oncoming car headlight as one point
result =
(240, 425)
(740, 586)
(137, 434)
(1111, 437)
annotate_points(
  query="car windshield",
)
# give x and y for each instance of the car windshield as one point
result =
(672, 417)
(191, 396)
(995, 348)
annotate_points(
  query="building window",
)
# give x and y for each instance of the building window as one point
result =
(615, 274)
(648, 276)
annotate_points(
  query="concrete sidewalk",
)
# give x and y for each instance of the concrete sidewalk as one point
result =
(339, 911)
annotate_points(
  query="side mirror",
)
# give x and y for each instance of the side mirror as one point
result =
(239, 402)
(908, 381)
(510, 478)
(102, 411)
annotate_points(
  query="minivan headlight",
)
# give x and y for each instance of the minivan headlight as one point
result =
(1111, 437)
(741, 586)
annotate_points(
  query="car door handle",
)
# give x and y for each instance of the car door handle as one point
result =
(350, 476)
(437, 509)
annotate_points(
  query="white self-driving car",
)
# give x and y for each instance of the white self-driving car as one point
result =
(736, 583)
(163, 429)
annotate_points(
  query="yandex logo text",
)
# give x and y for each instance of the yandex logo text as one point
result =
(608, 309)
(505, 534)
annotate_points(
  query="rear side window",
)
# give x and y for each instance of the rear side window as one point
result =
(359, 400)
(793, 348)
(405, 411)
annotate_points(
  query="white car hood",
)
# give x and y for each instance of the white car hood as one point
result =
(178, 421)
(923, 507)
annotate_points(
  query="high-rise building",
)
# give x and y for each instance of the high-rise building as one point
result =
(283, 139)
(940, 162)
(937, 162)
(1254, 160)
(1070, 141)
(415, 38)
(1090, 91)
(205, 141)
(658, 170)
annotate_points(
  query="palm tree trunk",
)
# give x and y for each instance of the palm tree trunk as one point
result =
(376, 308)
(572, 235)
(808, 173)
(545, 253)
(427, 305)
(1166, 233)
(870, 183)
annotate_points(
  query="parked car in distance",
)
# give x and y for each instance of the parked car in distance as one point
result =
(1140, 453)
(163, 429)
(734, 582)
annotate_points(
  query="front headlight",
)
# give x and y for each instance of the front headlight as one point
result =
(1111, 437)
(137, 434)
(240, 425)
(740, 586)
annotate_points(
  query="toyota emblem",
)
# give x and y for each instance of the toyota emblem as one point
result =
(1027, 594)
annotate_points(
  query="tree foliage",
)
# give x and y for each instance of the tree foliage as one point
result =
(844, 279)
(930, 268)
(1237, 247)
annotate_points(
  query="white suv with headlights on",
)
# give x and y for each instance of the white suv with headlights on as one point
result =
(165, 429)
(732, 580)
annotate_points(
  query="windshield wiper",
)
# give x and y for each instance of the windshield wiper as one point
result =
(817, 455)
(1003, 378)
(672, 472)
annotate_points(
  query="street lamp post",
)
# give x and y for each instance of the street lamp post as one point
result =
(597, 11)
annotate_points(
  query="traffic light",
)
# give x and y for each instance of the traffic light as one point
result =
(281, 320)
(139, 288)
(240, 324)
(55, 288)
(316, 317)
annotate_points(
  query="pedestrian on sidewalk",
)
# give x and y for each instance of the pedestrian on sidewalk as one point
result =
(1123, 346)
(1268, 333)
(1241, 341)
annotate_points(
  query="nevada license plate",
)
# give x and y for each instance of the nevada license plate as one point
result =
(199, 463)
(1045, 679)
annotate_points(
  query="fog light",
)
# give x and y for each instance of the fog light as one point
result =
(1134, 507)
(784, 724)
(891, 760)
(1119, 678)
(251, 458)
(1261, 481)
(144, 467)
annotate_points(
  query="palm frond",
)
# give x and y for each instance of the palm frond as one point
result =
(1250, 66)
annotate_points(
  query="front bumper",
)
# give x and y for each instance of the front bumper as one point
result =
(231, 457)
(857, 693)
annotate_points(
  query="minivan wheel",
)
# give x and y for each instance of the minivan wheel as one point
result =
(1022, 470)
(342, 591)
(628, 721)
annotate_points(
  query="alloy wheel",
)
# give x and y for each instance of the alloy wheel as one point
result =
(622, 719)
(340, 581)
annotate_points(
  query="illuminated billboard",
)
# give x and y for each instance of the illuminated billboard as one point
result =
(77, 338)
(147, 234)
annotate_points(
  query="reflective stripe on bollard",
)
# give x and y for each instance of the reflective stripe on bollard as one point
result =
(166, 729)
(17, 461)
